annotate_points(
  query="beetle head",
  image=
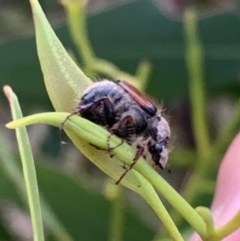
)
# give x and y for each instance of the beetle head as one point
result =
(161, 134)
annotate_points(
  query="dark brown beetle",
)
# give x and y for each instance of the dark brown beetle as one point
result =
(126, 112)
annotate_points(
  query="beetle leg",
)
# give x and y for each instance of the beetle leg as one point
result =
(108, 112)
(137, 156)
(62, 126)
(126, 121)
(112, 148)
(125, 124)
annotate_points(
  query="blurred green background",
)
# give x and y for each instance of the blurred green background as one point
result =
(125, 33)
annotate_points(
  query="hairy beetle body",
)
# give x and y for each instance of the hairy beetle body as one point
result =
(126, 112)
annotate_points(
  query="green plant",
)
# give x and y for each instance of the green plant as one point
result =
(65, 81)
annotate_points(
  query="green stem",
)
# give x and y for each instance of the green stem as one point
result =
(206, 214)
(196, 181)
(77, 24)
(228, 228)
(143, 73)
(97, 136)
(173, 197)
(111, 70)
(29, 170)
(194, 59)
(117, 217)
(162, 213)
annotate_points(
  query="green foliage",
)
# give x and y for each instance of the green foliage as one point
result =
(70, 211)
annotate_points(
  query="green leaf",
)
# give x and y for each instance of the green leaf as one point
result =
(28, 166)
(29, 192)
(63, 79)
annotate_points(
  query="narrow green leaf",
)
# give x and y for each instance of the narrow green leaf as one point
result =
(14, 174)
(29, 171)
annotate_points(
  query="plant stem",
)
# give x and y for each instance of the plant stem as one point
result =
(107, 68)
(228, 228)
(147, 177)
(117, 216)
(194, 59)
(174, 198)
(77, 24)
(143, 73)
(157, 205)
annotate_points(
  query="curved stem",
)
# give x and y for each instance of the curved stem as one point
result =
(173, 197)
(228, 228)
(77, 24)
(154, 201)
(194, 60)
(98, 136)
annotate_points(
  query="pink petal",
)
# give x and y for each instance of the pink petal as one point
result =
(226, 202)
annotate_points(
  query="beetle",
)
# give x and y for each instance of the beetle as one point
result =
(126, 112)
